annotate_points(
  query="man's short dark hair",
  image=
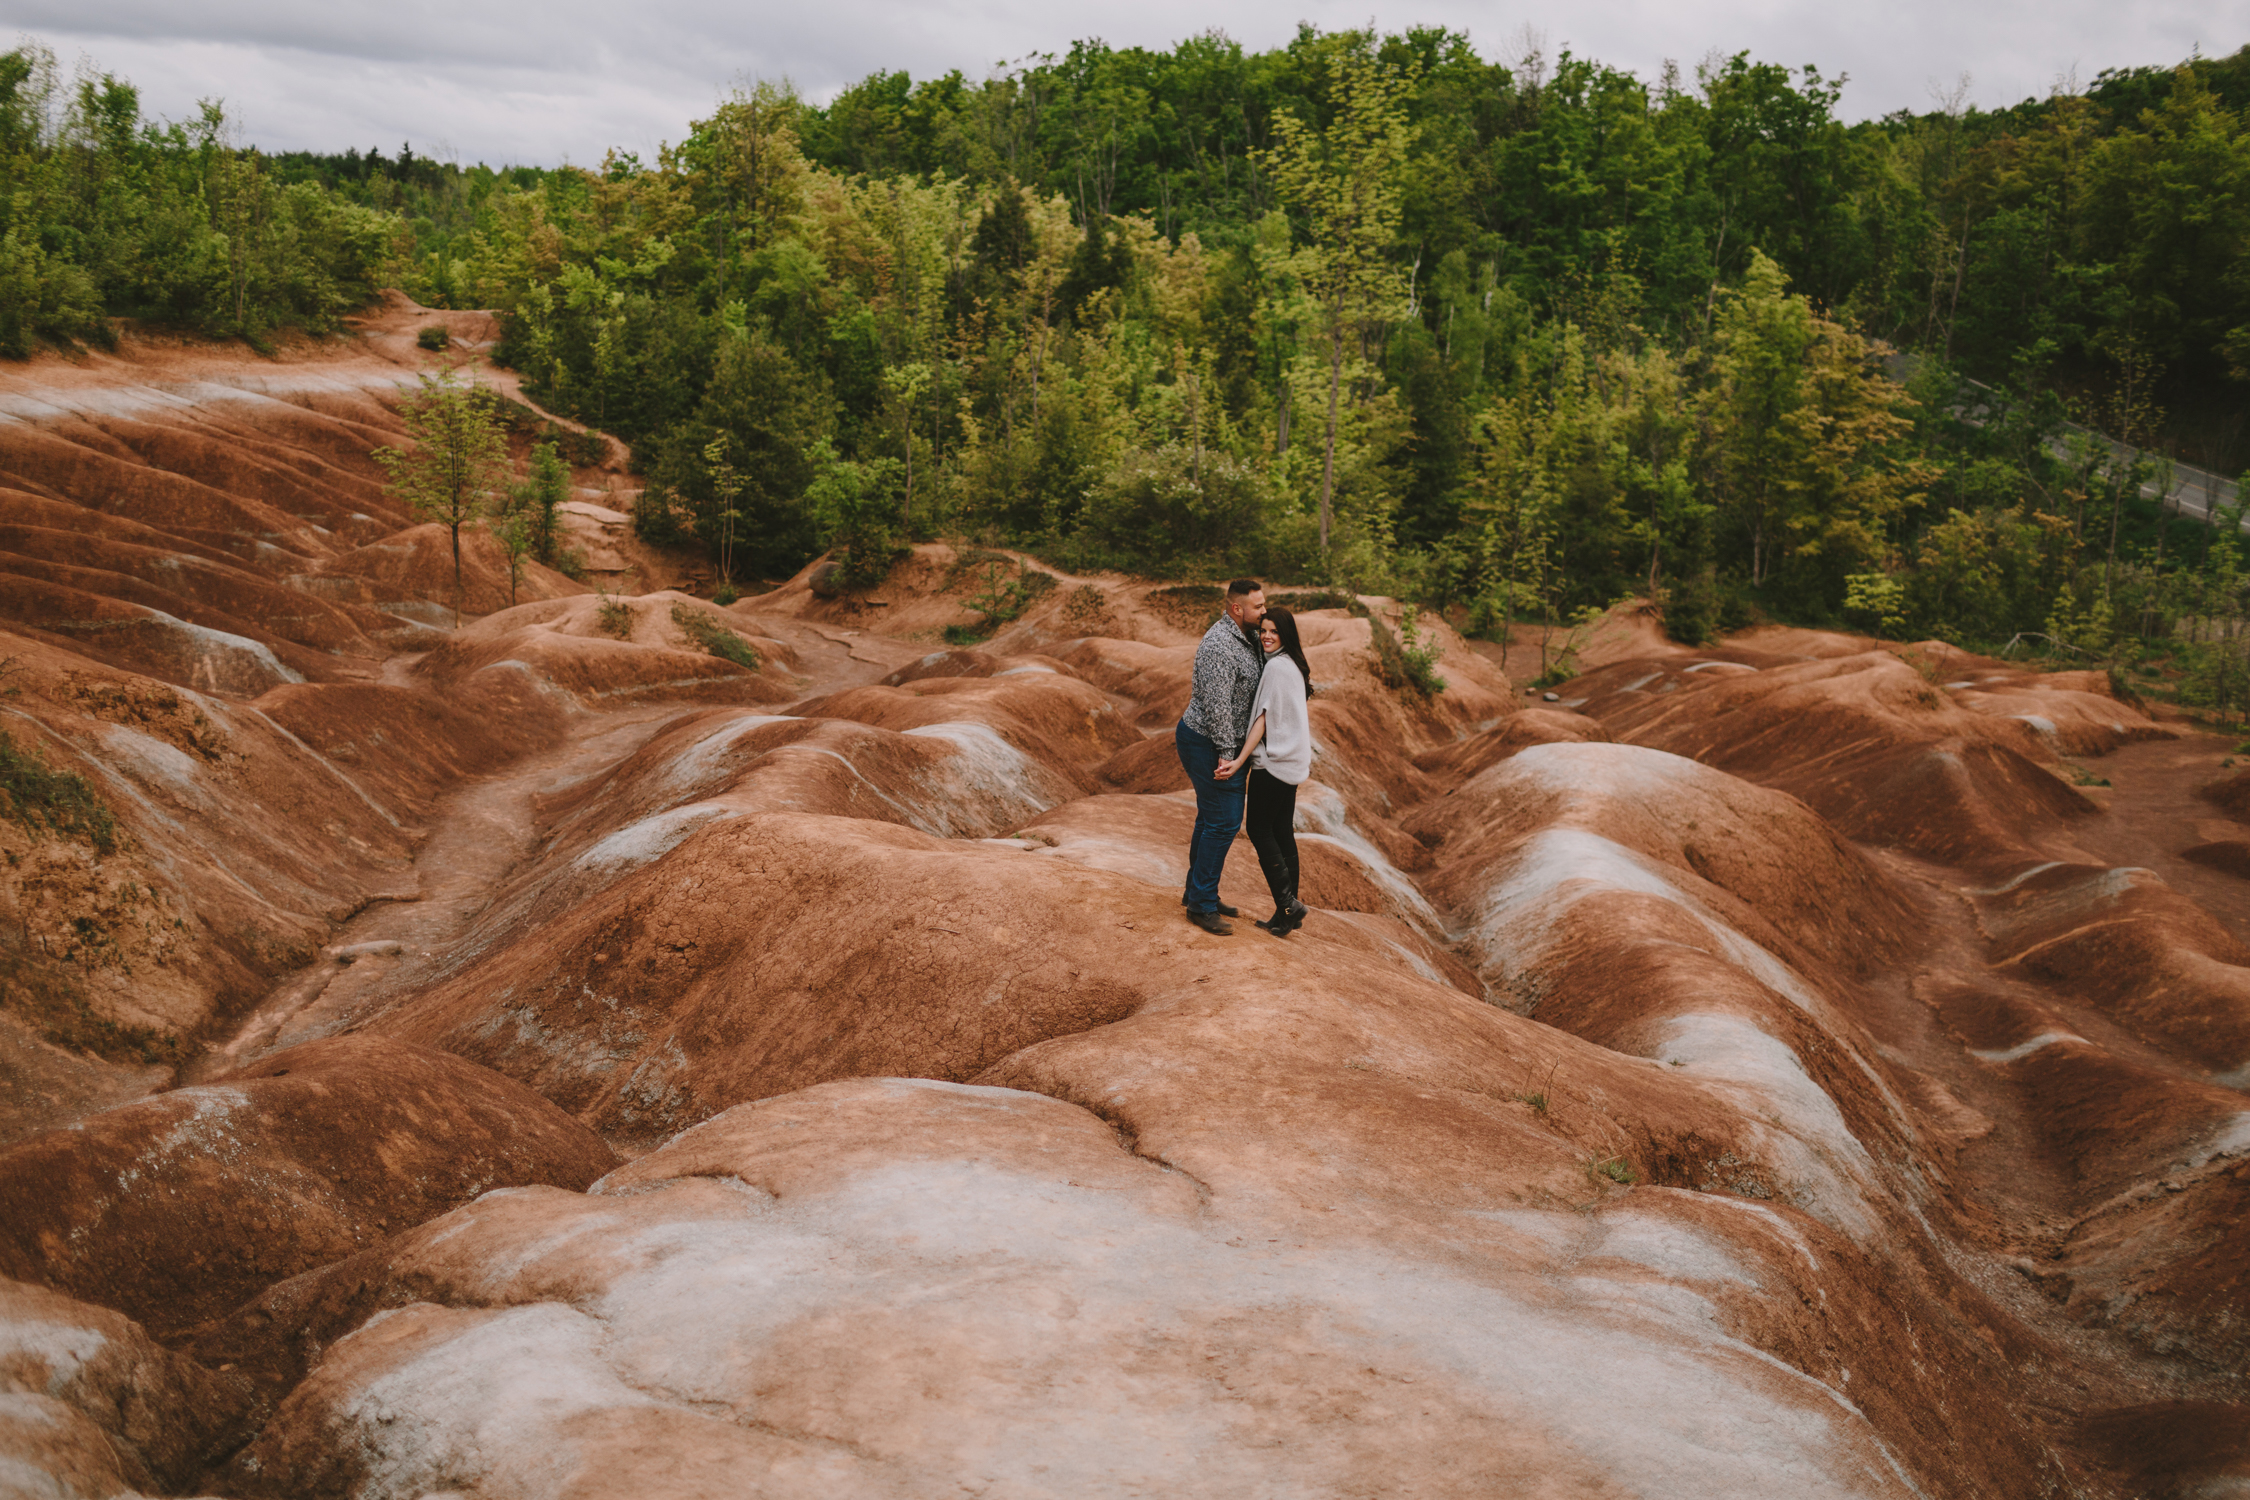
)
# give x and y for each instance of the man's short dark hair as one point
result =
(1243, 586)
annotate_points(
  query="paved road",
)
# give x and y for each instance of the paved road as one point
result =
(2189, 491)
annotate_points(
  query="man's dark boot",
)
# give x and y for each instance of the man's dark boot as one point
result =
(1224, 909)
(1211, 922)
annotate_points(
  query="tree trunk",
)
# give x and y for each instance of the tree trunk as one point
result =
(456, 528)
(1195, 424)
(1960, 274)
(1328, 459)
(906, 506)
(2116, 506)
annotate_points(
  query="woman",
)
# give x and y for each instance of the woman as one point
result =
(1279, 751)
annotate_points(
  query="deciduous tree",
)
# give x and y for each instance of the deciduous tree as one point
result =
(458, 460)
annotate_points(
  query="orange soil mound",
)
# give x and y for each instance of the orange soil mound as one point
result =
(244, 830)
(562, 645)
(176, 1208)
(1328, 1219)
(2137, 950)
(1878, 751)
(184, 584)
(1153, 765)
(90, 1405)
(1059, 722)
(1766, 849)
(2074, 712)
(2232, 793)
(139, 637)
(971, 663)
(1466, 758)
(2230, 855)
(54, 463)
(408, 748)
(653, 1007)
(235, 843)
(2174, 1449)
(2163, 1263)
(415, 566)
(1240, 1101)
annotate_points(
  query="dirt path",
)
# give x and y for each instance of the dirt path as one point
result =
(2152, 813)
(479, 834)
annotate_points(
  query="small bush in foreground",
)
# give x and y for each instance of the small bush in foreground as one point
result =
(1406, 660)
(434, 338)
(714, 637)
(615, 617)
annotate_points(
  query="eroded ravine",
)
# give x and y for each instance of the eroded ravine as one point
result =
(1854, 1116)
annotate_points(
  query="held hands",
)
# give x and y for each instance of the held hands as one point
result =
(1225, 769)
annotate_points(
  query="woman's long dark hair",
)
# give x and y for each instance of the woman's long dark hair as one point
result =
(1285, 626)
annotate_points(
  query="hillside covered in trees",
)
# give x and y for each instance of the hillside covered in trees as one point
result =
(1513, 338)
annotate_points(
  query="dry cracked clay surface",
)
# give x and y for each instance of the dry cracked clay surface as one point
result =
(536, 1057)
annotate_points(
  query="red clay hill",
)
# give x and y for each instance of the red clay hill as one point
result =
(553, 1056)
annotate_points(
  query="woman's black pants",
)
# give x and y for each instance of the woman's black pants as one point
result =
(1272, 821)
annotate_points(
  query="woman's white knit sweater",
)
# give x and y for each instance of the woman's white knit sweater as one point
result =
(1285, 753)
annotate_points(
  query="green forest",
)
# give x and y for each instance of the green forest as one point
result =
(1509, 338)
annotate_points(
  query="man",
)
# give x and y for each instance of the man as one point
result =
(1227, 667)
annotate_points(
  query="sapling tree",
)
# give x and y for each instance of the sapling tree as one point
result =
(459, 459)
(513, 532)
(544, 491)
(726, 483)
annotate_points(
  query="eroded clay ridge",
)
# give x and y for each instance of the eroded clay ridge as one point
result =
(544, 1058)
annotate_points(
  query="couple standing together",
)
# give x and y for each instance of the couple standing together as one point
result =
(1247, 711)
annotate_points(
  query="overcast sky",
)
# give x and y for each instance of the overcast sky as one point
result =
(517, 81)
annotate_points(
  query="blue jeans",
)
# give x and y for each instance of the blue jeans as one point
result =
(1218, 813)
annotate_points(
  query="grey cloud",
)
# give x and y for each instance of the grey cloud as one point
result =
(507, 80)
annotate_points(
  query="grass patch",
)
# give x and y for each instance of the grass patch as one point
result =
(970, 564)
(1304, 600)
(1189, 606)
(614, 617)
(434, 338)
(1537, 1098)
(1001, 598)
(1931, 672)
(714, 637)
(1613, 1169)
(44, 799)
(1086, 610)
